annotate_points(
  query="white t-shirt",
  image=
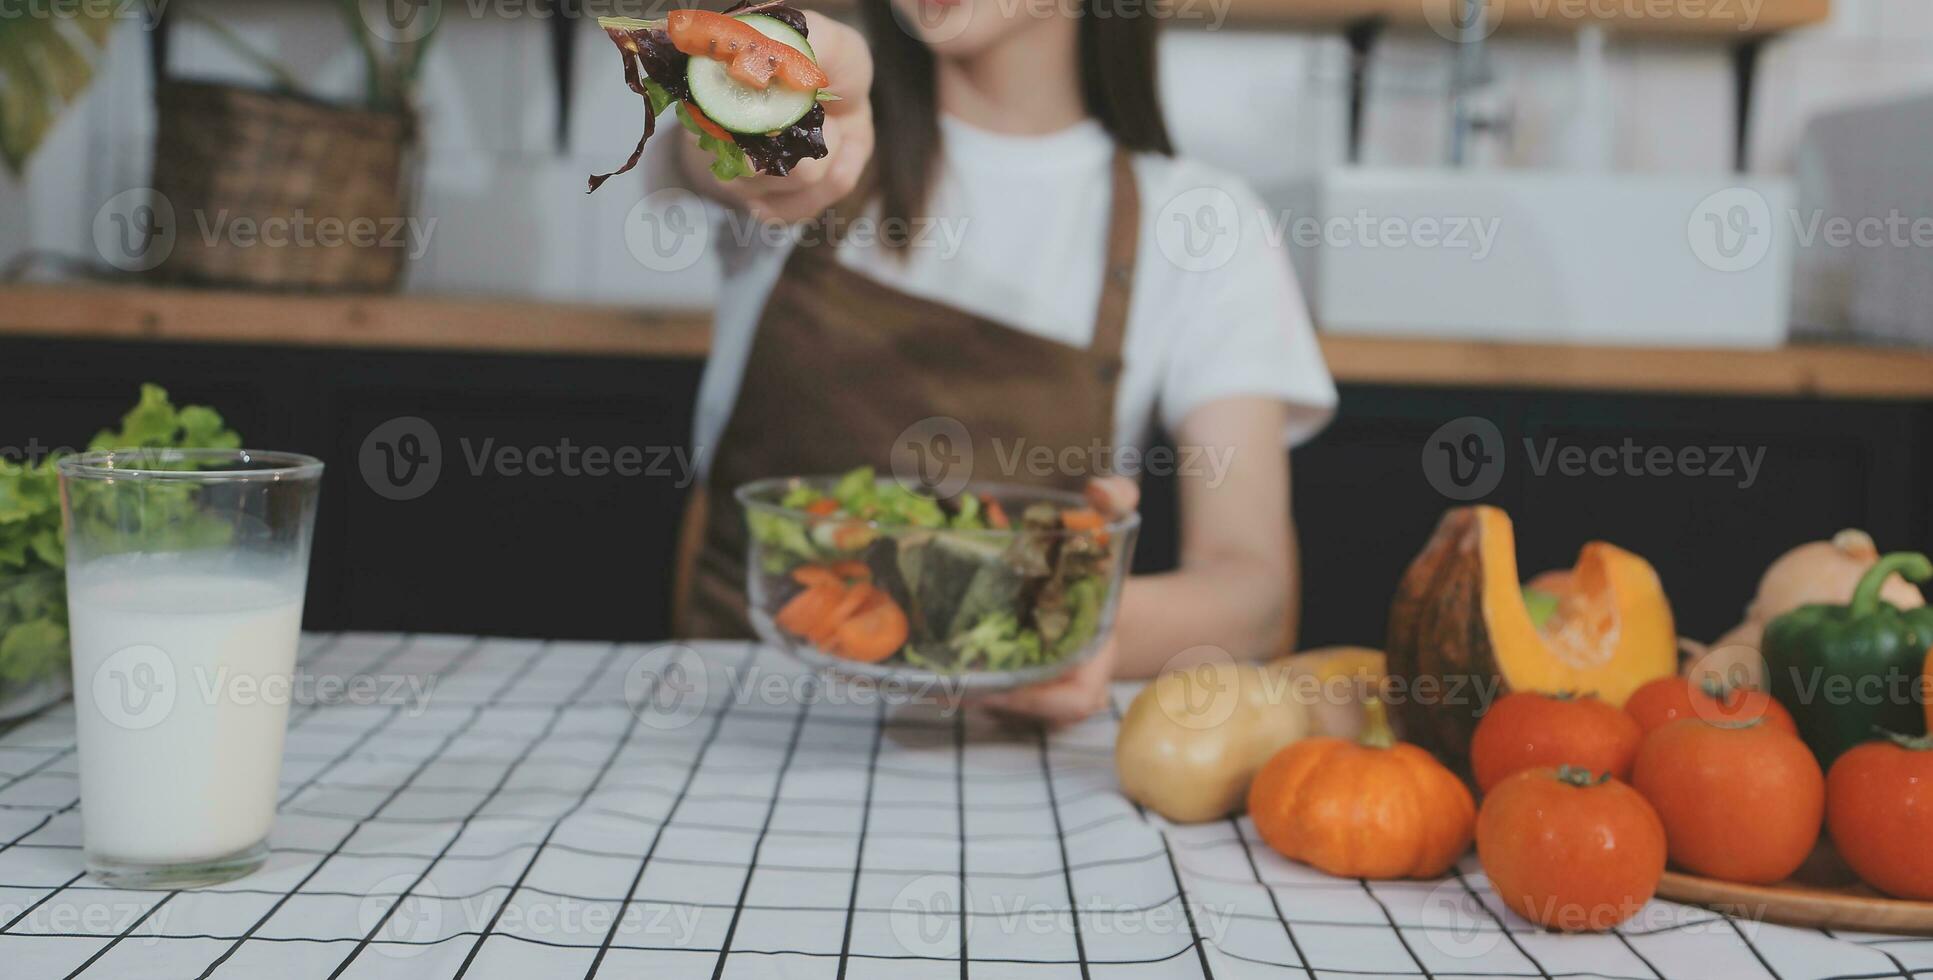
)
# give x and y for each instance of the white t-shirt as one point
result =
(1017, 236)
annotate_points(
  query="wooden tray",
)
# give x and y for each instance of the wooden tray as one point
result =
(1824, 893)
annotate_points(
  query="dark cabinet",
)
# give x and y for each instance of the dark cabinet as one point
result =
(553, 499)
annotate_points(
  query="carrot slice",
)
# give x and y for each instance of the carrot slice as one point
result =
(824, 505)
(996, 514)
(811, 575)
(749, 56)
(874, 633)
(808, 609)
(851, 602)
(713, 129)
(851, 570)
(1084, 519)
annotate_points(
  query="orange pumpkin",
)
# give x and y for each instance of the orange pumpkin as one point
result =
(1526, 730)
(1372, 808)
(1668, 699)
(1879, 808)
(1570, 849)
(1740, 802)
(1460, 631)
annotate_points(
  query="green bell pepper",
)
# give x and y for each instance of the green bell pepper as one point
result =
(1848, 672)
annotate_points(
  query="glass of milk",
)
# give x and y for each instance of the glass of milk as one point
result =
(185, 576)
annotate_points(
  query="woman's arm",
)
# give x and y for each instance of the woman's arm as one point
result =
(1235, 590)
(1236, 584)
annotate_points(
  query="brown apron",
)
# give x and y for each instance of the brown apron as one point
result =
(841, 366)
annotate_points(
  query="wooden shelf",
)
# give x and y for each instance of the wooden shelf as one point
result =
(1676, 18)
(534, 328)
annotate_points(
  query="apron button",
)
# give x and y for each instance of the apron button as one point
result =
(1108, 372)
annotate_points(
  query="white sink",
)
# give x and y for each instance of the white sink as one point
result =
(1547, 257)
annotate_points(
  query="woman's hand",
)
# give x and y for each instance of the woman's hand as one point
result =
(1082, 691)
(813, 185)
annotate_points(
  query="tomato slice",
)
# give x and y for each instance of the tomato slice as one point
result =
(704, 122)
(749, 56)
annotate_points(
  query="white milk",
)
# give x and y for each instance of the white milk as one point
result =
(181, 697)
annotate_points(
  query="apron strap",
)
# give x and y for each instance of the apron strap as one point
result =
(1117, 269)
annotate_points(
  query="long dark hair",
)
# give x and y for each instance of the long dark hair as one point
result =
(1117, 67)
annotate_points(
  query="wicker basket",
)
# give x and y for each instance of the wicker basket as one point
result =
(282, 192)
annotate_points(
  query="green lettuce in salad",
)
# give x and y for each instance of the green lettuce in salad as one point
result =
(33, 557)
(972, 600)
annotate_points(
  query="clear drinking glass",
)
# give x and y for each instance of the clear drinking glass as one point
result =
(185, 575)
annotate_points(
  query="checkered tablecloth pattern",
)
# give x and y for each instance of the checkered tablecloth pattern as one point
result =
(463, 807)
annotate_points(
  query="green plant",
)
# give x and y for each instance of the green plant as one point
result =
(47, 50)
(44, 66)
(33, 600)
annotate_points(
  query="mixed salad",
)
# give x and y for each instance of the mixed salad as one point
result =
(868, 570)
(745, 82)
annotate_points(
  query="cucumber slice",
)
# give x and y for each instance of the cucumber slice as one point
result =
(741, 108)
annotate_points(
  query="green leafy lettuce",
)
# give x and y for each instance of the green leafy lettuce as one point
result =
(33, 593)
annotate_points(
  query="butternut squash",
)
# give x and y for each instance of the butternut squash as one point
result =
(1461, 633)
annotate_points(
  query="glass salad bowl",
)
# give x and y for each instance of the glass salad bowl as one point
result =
(998, 587)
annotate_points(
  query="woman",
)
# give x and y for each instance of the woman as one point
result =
(1011, 169)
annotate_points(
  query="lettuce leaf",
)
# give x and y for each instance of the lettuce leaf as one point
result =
(33, 599)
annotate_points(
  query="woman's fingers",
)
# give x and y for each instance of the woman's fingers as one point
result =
(846, 60)
(815, 185)
(1115, 496)
(1070, 698)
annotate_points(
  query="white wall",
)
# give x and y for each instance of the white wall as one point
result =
(513, 218)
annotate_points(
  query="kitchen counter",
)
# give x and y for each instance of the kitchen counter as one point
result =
(753, 821)
(475, 325)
